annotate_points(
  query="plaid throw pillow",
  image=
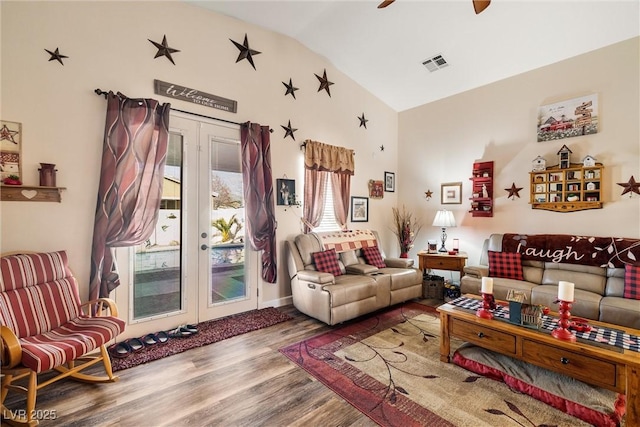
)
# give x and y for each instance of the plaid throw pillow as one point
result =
(373, 257)
(327, 262)
(505, 264)
(631, 282)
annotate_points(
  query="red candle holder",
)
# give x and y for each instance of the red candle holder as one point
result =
(562, 332)
(485, 311)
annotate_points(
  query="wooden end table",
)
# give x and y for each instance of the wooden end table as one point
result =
(442, 261)
(613, 369)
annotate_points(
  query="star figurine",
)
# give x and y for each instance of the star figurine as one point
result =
(428, 194)
(164, 49)
(630, 187)
(289, 131)
(363, 121)
(8, 134)
(56, 55)
(290, 89)
(513, 191)
(324, 82)
(246, 52)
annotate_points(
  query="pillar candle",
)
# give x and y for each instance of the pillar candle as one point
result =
(456, 245)
(565, 291)
(487, 285)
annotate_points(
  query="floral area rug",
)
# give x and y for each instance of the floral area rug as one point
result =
(208, 332)
(388, 366)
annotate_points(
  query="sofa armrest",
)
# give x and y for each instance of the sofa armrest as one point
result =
(319, 277)
(477, 271)
(361, 269)
(399, 262)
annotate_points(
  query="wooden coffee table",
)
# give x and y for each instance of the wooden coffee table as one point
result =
(614, 369)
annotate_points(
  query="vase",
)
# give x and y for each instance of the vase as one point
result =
(404, 255)
(47, 175)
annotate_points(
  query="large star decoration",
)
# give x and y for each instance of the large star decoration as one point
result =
(324, 82)
(363, 121)
(56, 55)
(428, 194)
(8, 134)
(164, 49)
(290, 89)
(289, 131)
(246, 52)
(513, 191)
(630, 187)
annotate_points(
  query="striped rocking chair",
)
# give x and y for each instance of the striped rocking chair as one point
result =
(44, 328)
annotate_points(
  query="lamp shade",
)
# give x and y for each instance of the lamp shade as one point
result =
(444, 218)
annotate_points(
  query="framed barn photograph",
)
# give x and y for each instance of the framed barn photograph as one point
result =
(359, 209)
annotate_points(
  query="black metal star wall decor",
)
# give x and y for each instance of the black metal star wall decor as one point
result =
(513, 191)
(382, 148)
(290, 89)
(289, 131)
(630, 187)
(428, 194)
(324, 82)
(164, 49)
(245, 51)
(56, 55)
(363, 121)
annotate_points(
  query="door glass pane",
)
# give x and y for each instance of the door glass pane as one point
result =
(227, 223)
(157, 285)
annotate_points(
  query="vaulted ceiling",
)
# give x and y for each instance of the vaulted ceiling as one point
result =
(384, 49)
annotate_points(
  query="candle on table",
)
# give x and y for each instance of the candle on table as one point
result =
(487, 285)
(565, 291)
(456, 245)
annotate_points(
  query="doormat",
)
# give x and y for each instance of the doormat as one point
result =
(209, 332)
(388, 366)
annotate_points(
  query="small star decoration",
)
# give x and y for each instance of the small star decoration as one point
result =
(290, 89)
(164, 49)
(630, 187)
(289, 131)
(56, 55)
(324, 82)
(8, 134)
(363, 121)
(382, 148)
(513, 191)
(246, 52)
(428, 194)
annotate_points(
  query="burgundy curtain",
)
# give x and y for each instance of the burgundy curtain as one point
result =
(258, 195)
(133, 158)
(315, 182)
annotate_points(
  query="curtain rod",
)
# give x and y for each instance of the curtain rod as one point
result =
(101, 92)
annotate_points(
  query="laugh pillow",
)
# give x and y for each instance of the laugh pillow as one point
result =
(505, 264)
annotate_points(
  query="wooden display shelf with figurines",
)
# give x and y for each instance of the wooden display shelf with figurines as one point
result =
(30, 193)
(482, 189)
(573, 188)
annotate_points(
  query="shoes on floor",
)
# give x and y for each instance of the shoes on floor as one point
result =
(120, 350)
(183, 331)
(136, 344)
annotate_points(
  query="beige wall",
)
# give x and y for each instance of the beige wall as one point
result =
(439, 142)
(63, 120)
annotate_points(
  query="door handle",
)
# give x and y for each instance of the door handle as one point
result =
(204, 247)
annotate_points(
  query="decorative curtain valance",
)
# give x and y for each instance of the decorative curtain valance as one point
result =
(329, 158)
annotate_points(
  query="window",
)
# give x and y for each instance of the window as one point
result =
(328, 222)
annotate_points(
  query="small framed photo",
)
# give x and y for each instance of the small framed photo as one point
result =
(286, 192)
(359, 209)
(451, 193)
(389, 182)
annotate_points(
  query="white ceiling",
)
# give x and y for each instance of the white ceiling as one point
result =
(383, 49)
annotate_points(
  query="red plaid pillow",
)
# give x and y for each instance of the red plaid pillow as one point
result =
(631, 281)
(505, 264)
(373, 257)
(327, 262)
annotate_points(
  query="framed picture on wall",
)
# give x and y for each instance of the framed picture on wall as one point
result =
(451, 193)
(286, 191)
(376, 189)
(389, 182)
(10, 150)
(359, 209)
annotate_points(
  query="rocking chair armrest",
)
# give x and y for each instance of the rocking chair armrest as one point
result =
(11, 351)
(101, 304)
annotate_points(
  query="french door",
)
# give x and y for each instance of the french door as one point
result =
(196, 265)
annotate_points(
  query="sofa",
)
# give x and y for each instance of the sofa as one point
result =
(596, 266)
(355, 287)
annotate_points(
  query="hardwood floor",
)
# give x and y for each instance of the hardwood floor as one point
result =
(241, 381)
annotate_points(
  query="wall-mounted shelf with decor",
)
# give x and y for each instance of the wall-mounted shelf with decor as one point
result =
(27, 193)
(570, 189)
(482, 189)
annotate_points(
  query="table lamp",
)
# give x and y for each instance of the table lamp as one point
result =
(444, 219)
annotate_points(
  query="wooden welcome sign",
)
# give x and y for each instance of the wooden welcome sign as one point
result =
(194, 96)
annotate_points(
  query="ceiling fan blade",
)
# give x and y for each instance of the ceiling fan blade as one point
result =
(385, 3)
(480, 5)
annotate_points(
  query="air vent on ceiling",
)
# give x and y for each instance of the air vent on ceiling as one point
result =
(435, 63)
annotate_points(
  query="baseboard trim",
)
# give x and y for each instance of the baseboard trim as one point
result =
(276, 302)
